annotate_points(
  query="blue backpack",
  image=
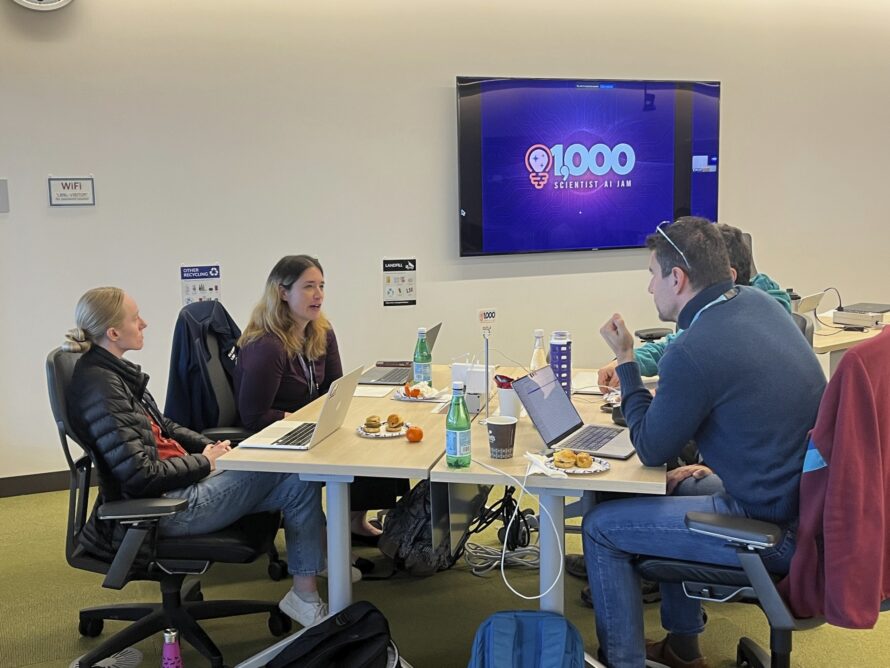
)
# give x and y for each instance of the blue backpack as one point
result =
(527, 639)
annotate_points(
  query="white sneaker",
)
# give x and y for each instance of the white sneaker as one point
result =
(306, 614)
(356, 574)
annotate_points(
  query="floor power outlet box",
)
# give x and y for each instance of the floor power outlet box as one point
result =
(851, 319)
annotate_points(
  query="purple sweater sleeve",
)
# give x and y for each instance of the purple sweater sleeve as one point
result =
(262, 364)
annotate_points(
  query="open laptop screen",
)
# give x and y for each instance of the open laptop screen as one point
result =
(547, 404)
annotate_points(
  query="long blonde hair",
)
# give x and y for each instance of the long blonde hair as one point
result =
(96, 312)
(272, 314)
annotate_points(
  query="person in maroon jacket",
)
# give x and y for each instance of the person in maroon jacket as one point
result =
(289, 357)
(840, 569)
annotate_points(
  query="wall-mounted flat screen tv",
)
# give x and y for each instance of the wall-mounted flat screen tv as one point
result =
(559, 165)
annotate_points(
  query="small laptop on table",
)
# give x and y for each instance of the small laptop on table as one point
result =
(293, 435)
(559, 423)
(401, 372)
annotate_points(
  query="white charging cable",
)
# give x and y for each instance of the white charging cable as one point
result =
(556, 534)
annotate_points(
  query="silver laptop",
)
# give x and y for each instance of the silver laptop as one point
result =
(867, 307)
(294, 435)
(810, 303)
(558, 422)
(401, 372)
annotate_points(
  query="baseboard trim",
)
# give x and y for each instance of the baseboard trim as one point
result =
(36, 483)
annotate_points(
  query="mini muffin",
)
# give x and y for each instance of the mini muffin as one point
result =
(372, 424)
(394, 423)
(564, 459)
(583, 460)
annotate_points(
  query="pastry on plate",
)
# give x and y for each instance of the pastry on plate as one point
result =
(372, 424)
(394, 422)
(564, 459)
(583, 460)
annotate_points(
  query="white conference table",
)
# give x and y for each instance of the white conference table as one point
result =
(342, 456)
(836, 342)
(628, 476)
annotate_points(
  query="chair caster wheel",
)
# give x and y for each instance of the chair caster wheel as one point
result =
(90, 627)
(279, 624)
(277, 570)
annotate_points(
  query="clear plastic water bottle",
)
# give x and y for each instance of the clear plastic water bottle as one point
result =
(539, 355)
(561, 359)
(423, 360)
(457, 429)
(172, 657)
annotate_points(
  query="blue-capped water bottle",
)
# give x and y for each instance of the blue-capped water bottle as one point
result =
(423, 360)
(561, 359)
(457, 429)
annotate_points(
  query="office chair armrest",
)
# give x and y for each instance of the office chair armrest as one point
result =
(751, 534)
(233, 434)
(652, 333)
(140, 516)
(134, 510)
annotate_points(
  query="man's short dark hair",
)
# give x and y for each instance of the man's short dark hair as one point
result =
(740, 257)
(701, 243)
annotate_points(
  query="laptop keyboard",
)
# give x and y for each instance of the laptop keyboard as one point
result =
(590, 438)
(394, 376)
(299, 436)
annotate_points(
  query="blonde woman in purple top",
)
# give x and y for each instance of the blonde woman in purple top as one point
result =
(289, 357)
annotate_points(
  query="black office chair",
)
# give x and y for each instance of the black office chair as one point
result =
(805, 325)
(200, 391)
(652, 334)
(228, 425)
(137, 553)
(751, 582)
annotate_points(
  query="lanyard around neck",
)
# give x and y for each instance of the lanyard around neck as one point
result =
(732, 293)
(309, 373)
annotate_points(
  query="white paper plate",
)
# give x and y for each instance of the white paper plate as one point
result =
(598, 466)
(399, 395)
(360, 430)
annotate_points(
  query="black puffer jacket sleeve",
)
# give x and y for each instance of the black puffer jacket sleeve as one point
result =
(188, 439)
(106, 413)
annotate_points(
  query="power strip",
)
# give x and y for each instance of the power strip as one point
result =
(851, 319)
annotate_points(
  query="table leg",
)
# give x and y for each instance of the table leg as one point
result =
(339, 540)
(552, 546)
(834, 358)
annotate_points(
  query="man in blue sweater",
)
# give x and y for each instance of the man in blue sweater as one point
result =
(747, 401)
(741, 261)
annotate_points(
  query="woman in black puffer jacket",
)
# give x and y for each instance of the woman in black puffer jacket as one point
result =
(140, 453)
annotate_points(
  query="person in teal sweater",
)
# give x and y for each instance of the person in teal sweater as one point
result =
(741, 261)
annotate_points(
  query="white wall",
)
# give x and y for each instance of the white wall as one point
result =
(242, 131)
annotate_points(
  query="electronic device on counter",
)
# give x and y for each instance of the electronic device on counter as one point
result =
(853, 319)
(866, 307)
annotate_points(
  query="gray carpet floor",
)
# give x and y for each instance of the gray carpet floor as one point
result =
(432, 620)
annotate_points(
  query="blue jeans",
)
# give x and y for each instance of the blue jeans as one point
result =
(223, 498)
(710, 484)
(616, 532)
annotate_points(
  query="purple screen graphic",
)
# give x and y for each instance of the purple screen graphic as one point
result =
(573, 210)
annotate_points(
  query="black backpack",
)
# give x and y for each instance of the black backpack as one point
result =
(356, 637)
(408, 535)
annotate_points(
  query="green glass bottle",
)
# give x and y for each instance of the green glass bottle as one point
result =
(423, 360)
(457, 429)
